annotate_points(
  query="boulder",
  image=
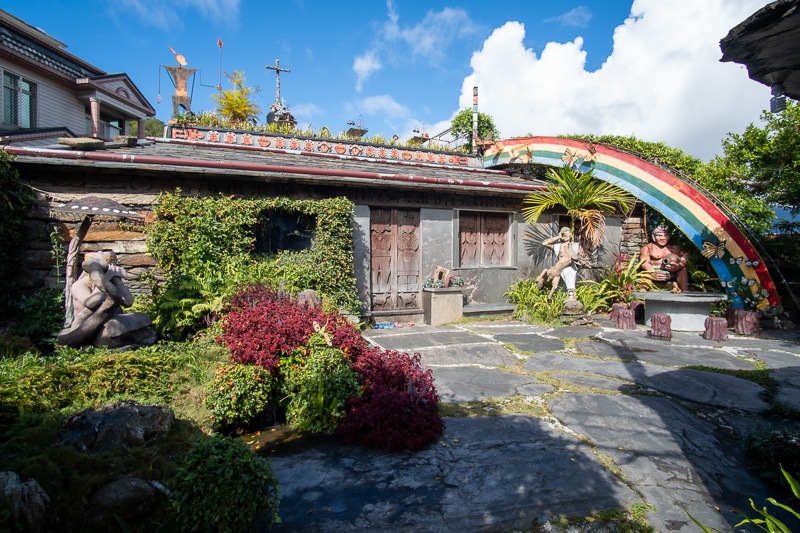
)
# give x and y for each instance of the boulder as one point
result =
(117, 425)
(310, 298)
(27, 502)
(128, 498)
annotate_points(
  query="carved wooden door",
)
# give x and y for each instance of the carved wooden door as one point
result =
(394, 236)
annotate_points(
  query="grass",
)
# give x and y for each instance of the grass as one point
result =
(633, 520)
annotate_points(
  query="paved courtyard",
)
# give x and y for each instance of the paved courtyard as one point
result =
(621, 421)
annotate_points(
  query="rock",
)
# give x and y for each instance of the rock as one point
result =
(309, 297)
(82, 143)
(27, 502)
(117, 425)
(127, 498)
(127, 140)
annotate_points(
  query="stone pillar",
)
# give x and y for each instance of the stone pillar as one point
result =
(615, 309)
(94, 108)
(626, 319)
(716, 329)
(140, 133)
(637, 306)
(746, 323)
(660, 326)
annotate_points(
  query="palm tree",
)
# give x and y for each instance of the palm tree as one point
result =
(584, 197)
(236, 104)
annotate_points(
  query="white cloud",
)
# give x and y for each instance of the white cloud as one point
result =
(579, 17)
(662, 82)
(430, 37)
(306, 112)
(382, 105)
(364, 66)
(166, 14)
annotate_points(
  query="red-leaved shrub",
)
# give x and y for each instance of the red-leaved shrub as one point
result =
(398, 407)
(262, 326)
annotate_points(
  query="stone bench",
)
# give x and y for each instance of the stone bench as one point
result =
(688, 310)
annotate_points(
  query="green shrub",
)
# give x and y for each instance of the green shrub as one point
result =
(624, 278)
(533, 304)
(317, 381)
(40, 317)
(775, 447)
(223, 486)
(239, 393)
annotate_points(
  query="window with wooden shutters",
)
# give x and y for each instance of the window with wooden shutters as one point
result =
(484, 239)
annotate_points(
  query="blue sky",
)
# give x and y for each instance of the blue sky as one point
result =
(649, 68)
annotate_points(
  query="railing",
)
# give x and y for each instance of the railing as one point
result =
(104, 129)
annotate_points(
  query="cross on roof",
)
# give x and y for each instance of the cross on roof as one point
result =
(278, 71)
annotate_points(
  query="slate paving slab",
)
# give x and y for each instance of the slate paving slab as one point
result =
(494, 328)
(674, 459)
(594, 382)
(409, 342)
(665, 354)
(490, 474)
(774, 359)
(531, 342)
(465, 384)
(487, 355)
(709, 388)
(574, 332)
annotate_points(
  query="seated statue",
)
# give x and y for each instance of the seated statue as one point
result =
(566, 257)
(666, 261)
(98, 296)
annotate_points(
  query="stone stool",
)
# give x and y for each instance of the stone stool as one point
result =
(615, 309)
(746, 323)
(637, 306)
(626, 319)
(716, 329)
(660, 326)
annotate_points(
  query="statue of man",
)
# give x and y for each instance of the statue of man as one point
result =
(566, 256)
(666, 261)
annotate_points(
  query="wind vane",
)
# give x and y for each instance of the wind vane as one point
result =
(278, 71)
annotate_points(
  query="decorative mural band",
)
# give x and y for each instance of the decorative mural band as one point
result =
(740, 268)
(320, 146)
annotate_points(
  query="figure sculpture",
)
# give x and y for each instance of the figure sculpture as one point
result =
(567, 254)
(98, 296)
(666, 261)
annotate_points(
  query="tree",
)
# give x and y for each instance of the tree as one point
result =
(461, 127)
(153, 127)
(584, 197)
(765, 161)
(237, 104)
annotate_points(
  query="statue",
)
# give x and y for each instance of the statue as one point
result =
(567, 254)
(666, 261)
(98, 296)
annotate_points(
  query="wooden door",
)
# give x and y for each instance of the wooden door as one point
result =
(394, 236)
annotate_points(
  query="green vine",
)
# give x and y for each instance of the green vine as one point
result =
(15, 199)
(210, 241)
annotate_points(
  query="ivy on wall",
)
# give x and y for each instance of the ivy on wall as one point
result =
(210, 241)
(15, 199)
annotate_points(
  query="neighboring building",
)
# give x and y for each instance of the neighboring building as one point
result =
(49, 93)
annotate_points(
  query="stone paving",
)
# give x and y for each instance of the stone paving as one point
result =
(613, 398)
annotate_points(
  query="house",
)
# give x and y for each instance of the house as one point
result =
(50, 93)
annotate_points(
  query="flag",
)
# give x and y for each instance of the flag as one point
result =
(219, 42)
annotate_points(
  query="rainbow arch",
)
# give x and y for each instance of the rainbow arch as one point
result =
(740, 268)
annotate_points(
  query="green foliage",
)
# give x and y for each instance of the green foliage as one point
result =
(461, 127)
(623, 278)
(239, 393)
(775, 447)
(769, 523)
(533, 304)
(584, 197)
(766, 160)
(592, 296)
(39, 317)
(223, 486)
(317, 381)
(204, 246)
(15, 198)
(74, 379)
(237, 104)
(153, 127)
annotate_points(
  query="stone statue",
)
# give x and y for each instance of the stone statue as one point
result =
(567, 254)
(98, 296)
(666, 261)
